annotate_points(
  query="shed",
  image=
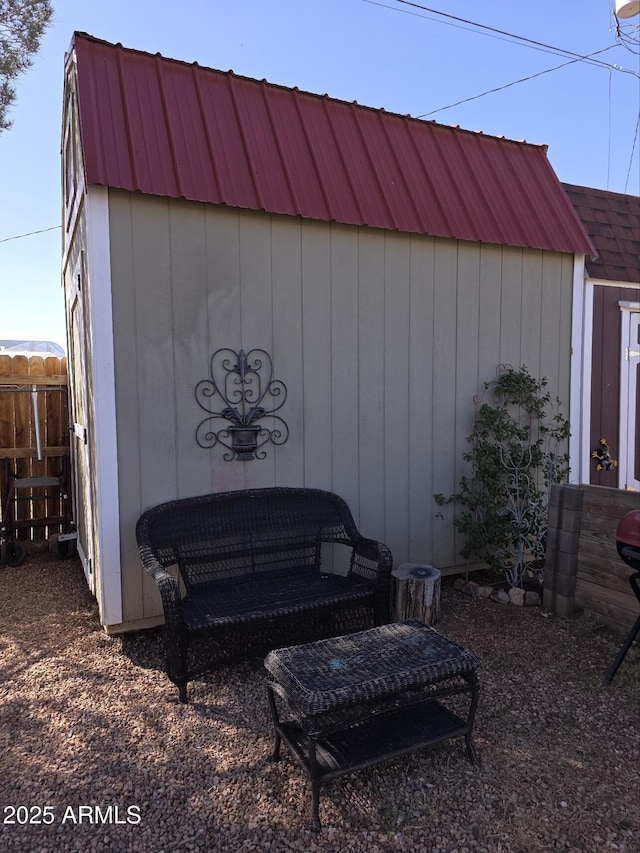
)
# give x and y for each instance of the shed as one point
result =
(383, 265)
(609, 327)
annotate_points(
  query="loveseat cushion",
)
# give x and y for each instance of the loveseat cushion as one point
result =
(271, 594)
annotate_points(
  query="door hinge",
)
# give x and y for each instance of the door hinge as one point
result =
(631, 353)
(79, 431)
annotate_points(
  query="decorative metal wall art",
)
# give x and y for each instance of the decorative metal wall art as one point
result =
(241, 384)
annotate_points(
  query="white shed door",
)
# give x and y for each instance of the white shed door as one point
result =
(630, 402)
(79, 434)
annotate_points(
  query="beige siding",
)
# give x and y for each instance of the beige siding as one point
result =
(466, 359)
(344, 362)
(368, 397)
(382, 339)
(440, 442)
(421, 294)
(286, 270)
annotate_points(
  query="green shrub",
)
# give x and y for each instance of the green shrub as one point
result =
(518, 449)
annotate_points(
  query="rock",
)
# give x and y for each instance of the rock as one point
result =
(471, 588)
(458, 583)
(532, 599)
(484, 591)
(500, 596)
(516, 596)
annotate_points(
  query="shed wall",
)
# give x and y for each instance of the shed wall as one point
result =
(82, 397)
(79, 309)
(605, 375)
(381, 338)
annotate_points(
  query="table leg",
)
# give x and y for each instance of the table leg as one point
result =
(315, 786)
(633, 633)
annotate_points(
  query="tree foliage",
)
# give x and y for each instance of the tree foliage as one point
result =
(22, 25)
(518, 449)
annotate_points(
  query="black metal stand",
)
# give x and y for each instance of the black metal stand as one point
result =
(633, 633)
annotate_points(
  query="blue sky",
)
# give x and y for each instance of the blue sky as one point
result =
(383, 54)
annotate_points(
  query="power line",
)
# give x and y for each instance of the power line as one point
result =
(513, 83)
(610, 132)
(533, 42)
(493, 32)
(30, 234)
(633, 148)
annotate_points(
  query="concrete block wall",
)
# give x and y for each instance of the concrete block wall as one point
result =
(563, 540)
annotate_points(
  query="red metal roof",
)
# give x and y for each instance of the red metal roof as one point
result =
(612, 220)
(172, 129)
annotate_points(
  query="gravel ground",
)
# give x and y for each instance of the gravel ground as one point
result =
(91, 721)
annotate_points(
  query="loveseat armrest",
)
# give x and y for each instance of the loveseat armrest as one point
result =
(373, 562)
(167, 586)
(372, 550)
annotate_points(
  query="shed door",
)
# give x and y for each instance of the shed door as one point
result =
(630, 402)
(79, 409)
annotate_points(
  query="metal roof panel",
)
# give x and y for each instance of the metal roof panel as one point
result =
(168, 128)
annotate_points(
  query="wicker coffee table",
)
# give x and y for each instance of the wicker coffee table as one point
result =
(354, 701)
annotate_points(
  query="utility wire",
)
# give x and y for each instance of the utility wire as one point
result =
(533, 42)
(609, 147)
(493, 32)
(514, 83)
(624, 39)
(633, 148)
(30, 234)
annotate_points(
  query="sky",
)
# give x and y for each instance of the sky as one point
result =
(382, 54)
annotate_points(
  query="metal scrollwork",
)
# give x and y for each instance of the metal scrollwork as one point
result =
(240, 388)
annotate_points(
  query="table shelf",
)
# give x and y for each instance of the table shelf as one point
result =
(380, 739)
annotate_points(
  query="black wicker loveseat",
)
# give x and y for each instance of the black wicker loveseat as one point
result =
(252, 575)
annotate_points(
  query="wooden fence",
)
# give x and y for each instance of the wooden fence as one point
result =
(34, 443)
(602, 579)
(583, 570)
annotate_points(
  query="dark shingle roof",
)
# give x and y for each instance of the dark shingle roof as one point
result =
(612, 221)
